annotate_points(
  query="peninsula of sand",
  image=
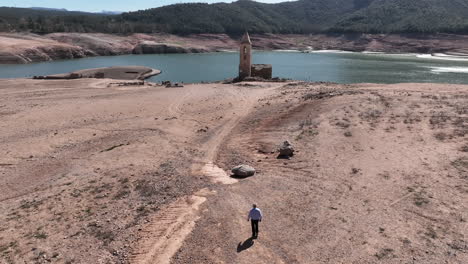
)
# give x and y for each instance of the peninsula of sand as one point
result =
(105, 171)
(116, 72)
(20, 48)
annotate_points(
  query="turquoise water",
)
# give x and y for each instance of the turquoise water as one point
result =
(321, 66)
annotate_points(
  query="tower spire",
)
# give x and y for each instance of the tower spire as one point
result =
(245, 63)
(246, 38)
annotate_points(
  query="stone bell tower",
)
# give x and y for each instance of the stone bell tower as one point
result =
(245, 65)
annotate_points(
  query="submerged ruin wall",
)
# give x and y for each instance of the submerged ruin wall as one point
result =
(264, 71)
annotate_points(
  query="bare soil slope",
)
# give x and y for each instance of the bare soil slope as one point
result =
(96, 172)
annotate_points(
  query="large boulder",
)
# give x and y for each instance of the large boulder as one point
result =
(243, 171)
(286, 149)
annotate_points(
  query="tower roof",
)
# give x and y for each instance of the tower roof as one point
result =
(246, 38)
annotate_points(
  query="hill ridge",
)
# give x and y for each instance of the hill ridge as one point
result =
(297, 17)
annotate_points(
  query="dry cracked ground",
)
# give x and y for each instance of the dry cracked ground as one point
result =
(93, 171)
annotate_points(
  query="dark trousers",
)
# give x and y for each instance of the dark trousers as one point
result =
(254, 227)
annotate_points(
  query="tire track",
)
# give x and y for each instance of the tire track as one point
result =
(167, 230)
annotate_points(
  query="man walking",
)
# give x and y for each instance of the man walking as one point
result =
(255, 216)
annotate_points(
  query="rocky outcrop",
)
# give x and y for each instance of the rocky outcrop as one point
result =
(151, 47)
(286, 150)
(39, 54)
(27, 48)
(11, 58)
(97, 44)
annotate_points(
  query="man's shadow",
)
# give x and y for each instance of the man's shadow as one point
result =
(245, 245)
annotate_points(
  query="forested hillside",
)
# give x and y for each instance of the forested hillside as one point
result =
(48, 21)
(303, 16)
(389, 16)
(290, 17)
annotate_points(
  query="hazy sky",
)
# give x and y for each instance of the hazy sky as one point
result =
(109, 5)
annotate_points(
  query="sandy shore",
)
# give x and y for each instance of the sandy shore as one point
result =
(96, 172)
(17, 48)
(116, 73)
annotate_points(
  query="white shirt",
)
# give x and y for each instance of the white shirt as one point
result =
(255, 214)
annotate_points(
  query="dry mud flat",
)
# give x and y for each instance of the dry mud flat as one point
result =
(96, 172)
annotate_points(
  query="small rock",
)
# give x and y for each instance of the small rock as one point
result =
(286, 149)
(203, 130)
(243, 171)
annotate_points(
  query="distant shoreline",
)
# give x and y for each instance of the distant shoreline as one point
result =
(24, 48)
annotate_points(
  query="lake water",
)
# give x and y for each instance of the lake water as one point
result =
(338, 67)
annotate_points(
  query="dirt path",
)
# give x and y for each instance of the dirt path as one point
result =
(166, 232)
